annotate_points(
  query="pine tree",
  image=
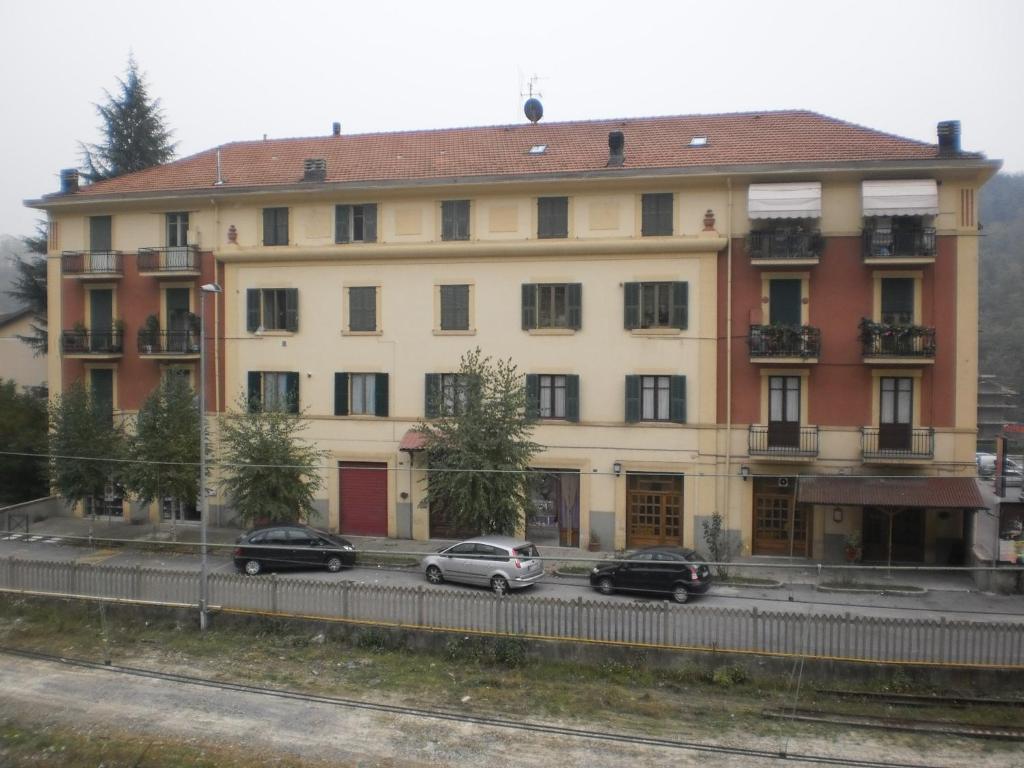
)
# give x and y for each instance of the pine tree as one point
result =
(135, 135)
(29, 287)
(479, 452)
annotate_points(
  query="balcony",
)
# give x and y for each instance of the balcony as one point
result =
(897, 442)
(785, 246)
(784, 344)
(782, 440)
(180, 345)
(890, 343)
(97, 345)
(899, 246)
(91, 265)
(173, 262)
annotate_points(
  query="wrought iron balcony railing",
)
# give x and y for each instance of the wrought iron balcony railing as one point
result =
(890, 340)
(899, 243)
(897, 441)
(785, 244)
(782, 439)
(173, 259)
(80, 342)
(784, 341)
(91, 262)
(168, 342)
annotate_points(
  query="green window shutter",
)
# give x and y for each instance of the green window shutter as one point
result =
(291, 383)
(341, 219)
(677, 399)
(532, 396)
(282, 226)
(631, 304)
(529, 306)
(255, 391)
(370, 223)
(291, 309)
(432, 395)
(680, 300)
(380, 394)
(100, 238)
(572, 397)
(362, 309)
(252, 309)
(632, 398)
(341, 394)
(268, 226)
(574, 305)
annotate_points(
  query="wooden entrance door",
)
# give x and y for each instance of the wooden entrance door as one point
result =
(781, 526)
(654, 510)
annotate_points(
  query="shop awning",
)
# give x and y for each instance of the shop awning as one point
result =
(930, 492)
(795, 200)
(905, 197)
(412, 441)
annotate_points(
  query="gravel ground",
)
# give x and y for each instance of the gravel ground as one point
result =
(264, 726)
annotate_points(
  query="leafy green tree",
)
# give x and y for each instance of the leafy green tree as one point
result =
(29, 287)
(22, 430)
(269, 473)
(86, 448)
(479, 450)
(135, 135)
(165, 447)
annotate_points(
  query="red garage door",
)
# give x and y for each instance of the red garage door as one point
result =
(364, 498)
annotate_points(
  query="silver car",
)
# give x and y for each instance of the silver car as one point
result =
(499, 562)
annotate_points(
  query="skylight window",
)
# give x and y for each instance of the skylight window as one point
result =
(699, 141)
(538, 149)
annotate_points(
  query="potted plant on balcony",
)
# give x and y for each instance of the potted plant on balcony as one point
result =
(854, 548)
(150, 335)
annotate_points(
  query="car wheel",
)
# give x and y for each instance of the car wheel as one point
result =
(252, 567)
(680, 593)
(434, 575)
(333, 564)
(500, 585)
(604, 586)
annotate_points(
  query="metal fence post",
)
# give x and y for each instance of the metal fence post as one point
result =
(420, 621)
(137, 582)
(756, 629)
(664, 623)
(344, 599)
(273, 593)
(9, 576)
(579, 617)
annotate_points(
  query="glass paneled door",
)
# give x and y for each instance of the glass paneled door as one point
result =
(177, 301)
(896, 413)
(783, 411)
(781, 526)
(654, 510)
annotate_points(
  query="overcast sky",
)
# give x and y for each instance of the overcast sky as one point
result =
(228, 71)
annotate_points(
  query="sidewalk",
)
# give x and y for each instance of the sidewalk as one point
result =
(778, 569)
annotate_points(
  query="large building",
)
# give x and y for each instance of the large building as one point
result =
(772, 316)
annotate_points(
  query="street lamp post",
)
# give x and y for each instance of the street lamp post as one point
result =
(204, 501)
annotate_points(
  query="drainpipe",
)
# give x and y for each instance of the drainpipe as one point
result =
(728, 353)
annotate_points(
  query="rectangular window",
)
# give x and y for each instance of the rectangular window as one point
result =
(656, 214)
(553, 396)
(272, 309)
(274, 391)
(785, 302)
(455, 220)
(447, 394)
(100, 233)
(101, 389)
(552, 305)
(363, 390)
(656, 398)
(656, 305)
(361, 394)
(784, 399)
(897, 400)
(454, 307)
(552, 217)
(177, 230)
(355, 223)
(898, 300)
(275, 226)
(362, 309)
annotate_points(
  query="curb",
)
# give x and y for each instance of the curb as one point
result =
(862, 591)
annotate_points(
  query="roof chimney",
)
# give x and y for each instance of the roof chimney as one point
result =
(68, 181)
(336, 129)
(314, 169)
(616, 149)
(949, 137)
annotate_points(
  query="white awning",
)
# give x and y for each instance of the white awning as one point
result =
(795, 200)
(916, 197)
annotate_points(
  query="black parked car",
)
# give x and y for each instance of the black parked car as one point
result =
(292, 545)
(656, 570)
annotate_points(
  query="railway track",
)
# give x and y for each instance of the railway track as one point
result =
(934, 727)
(918, 699)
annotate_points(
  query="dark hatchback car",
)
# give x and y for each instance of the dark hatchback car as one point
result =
(657, 570)
(273, 547)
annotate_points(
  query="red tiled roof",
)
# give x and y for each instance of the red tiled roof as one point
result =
(572, 147)
(931, 492)
(412, 441)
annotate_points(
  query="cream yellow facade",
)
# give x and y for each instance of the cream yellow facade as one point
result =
(18, 361)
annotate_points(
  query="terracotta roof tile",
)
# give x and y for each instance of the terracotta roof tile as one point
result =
(650, 143)
(927, 492)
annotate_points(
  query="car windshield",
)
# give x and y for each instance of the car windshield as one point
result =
(527, 551)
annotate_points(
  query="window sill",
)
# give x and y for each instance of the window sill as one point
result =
(378, 332)
(469, 332)
(656, 332)
(273, 332)
(552, 331)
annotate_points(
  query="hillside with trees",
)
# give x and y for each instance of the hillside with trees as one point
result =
(1002, 282)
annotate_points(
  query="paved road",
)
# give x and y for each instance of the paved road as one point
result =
(959, 604)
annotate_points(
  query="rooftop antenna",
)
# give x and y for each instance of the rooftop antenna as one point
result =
(533, 109)
(220, 179)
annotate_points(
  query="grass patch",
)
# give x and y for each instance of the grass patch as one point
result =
(575, 570)
(372, 560)
(868, 586)
(745, 581)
